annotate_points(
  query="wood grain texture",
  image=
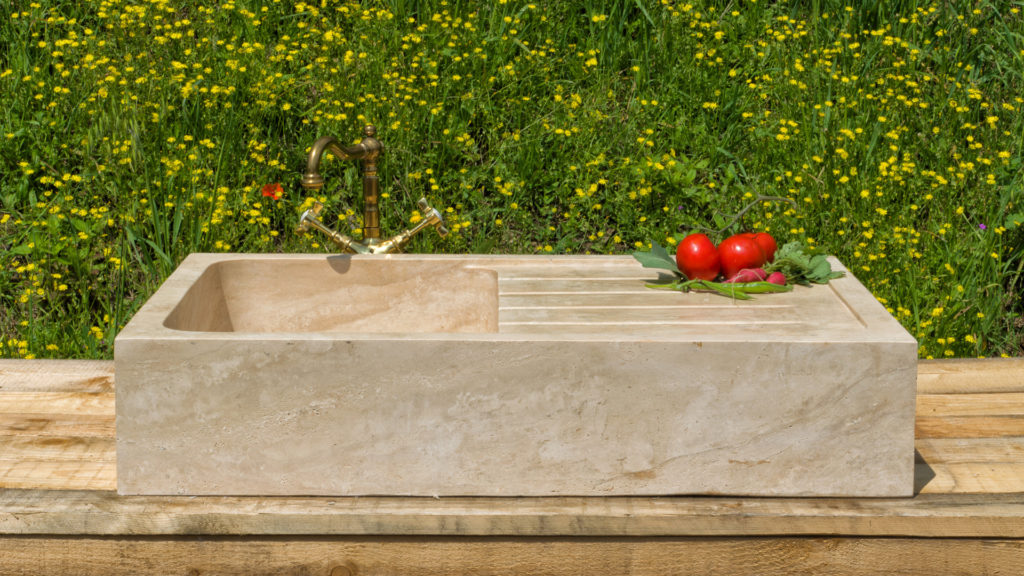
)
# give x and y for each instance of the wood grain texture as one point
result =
(91, 512)
(50, 424)
(450, 557)
(970, 375)
(942, 405)
(975, 478)
(66, 475)
(968, 426)
(57, 425)
(77, 403)
(56, 375)
(970, 450)
(58, 449)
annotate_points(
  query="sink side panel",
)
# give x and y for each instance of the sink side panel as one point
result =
(446, 417)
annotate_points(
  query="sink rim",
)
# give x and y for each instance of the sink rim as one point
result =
(148, 322)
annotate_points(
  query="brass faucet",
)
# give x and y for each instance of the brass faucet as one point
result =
(366, 152)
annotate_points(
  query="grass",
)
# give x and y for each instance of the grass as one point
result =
(135, 132)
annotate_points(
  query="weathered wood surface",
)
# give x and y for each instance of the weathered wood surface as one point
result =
(24, 512)
(995, 375)
(57, 476)
(548, 557)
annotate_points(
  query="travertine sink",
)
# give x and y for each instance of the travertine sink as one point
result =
(505, 375)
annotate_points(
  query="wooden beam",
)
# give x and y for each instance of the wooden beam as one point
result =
(968, 427)
(57, 376)
(970, 375)
(63, 425)
(58, 449)
(546, 557)
(77, 403)
(970, 450)
(91, 512)
(961, 404)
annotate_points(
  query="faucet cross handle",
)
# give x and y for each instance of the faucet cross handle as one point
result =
(432, 217)
(309, 217)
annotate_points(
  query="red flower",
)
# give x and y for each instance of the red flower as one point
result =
(273, 191)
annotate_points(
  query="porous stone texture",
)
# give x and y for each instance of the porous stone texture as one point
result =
(529, 376)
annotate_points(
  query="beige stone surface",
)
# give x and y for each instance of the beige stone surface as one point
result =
(443, 375)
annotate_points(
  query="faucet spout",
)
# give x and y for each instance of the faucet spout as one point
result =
(366, 152)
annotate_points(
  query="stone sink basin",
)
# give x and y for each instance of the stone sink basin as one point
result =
(440, 375)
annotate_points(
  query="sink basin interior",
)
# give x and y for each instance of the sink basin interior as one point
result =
(338, 295)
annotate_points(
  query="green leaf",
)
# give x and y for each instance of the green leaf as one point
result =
(1014, 220)
(163, 255)
(657, 258)
(801, 267)
(81, 225)
(22, 250)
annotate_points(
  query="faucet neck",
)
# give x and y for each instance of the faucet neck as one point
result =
(371, 196)
(366, 152)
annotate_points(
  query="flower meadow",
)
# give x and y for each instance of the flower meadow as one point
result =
(890, 134)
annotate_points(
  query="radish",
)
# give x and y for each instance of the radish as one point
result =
(748, 275)
(777, 278)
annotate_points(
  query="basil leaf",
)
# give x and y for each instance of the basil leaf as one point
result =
(658, 258)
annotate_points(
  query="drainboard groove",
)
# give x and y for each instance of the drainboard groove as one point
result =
(647, 323)
(574, 278)
(563, 292)
(640, 307)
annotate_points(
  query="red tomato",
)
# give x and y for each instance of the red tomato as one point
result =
(697, 257)
(766, 242)
(740, 252)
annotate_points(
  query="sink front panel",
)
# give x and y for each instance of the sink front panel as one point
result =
(560, 376)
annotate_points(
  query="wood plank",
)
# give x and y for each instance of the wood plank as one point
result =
(57, 449)
(1000, 404)
(83, 403)
(450, 557)
(970, 375)
(969, 426)
(92, 512)
(973, 478)
(970, 450)
(57, 376)
(43, 424)
(74, 464)
(58, 475)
